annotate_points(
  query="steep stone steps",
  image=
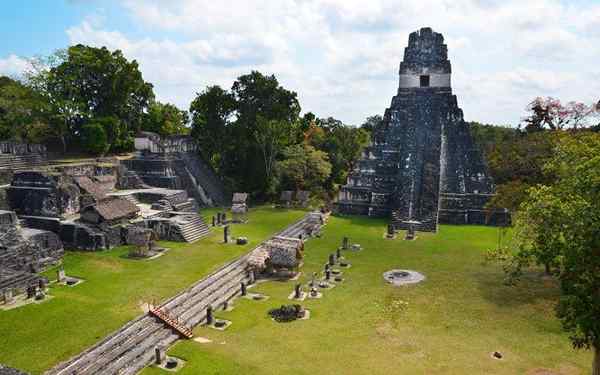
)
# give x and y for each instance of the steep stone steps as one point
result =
(194, 229)
(16, 162)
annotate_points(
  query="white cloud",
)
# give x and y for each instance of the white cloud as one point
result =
(13, 66)
(342, 56)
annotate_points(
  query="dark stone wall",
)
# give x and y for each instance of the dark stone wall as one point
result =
(37, 193)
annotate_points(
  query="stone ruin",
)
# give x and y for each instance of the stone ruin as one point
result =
(173, 163)
(422, 166)
(239, 207)
(23, 253)
(87, 205)
(278, 256)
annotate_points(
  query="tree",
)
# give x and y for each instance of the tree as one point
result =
(94, 139)
(372, 123)
(21, 112)
(260, 103)
(271, 137)
(343, 145)
(552, 114)
(165, 119)
(85, 83)
(212, 112)
(562, 225)
(304, 168)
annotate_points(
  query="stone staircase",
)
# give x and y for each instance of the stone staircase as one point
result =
(131, 348)
(18, 162)
(20, 280)
(194, 228)
(207, 178)
(399, 223)
(131, 198)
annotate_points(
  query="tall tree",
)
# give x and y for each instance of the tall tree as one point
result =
(563, 224)
(260, 100)
(212, 112)
(85, 83)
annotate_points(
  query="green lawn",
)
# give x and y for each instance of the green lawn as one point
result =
(36, 337)
(453, 321)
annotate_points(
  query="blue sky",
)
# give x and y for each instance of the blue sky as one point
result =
(341, 56)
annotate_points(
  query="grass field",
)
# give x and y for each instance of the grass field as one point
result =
(36, 337)
(452, 322)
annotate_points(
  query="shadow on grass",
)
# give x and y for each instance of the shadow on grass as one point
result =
(532, 288)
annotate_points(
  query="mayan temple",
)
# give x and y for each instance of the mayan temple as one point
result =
(422, 167)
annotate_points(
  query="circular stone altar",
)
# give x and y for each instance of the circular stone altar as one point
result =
(402, 277)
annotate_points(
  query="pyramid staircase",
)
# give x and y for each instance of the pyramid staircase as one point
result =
(194, 228)
(399, 223)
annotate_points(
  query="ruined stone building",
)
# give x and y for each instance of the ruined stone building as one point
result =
(173, 163)
(422, 166)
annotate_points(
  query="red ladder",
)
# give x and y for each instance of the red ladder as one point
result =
(183, 330)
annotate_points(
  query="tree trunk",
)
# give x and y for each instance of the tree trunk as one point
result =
(596, 365)
(64, 144)
(547, 265)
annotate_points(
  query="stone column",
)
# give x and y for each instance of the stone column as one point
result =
(226, 234)
(243, 289)
(159, 355)
(60, 275)
(297, 291)
(209, 315)
(345, 243)
(9, 299)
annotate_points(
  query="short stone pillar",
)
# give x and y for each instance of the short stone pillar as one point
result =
(345, 243)
(214, 221)
(159, 355)
(410, 233)
(328, 275)
(243, 289)
(210, 319)
(338, 253)
(8, 297)
(226, 234)
(252, 277)
(298, 291)
(390, 231)
(331, 259)
(30, 292)
(60, 275)
(326, 267)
